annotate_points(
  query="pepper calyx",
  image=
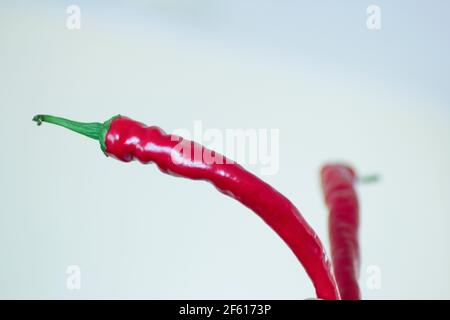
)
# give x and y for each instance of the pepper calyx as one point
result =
(104, 131)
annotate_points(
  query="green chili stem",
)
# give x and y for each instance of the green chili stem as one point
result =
(369, 178)
(92, 130)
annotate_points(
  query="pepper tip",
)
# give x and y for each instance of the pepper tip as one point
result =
(38, 119)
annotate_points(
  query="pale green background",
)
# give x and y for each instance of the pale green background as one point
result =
(334, 89)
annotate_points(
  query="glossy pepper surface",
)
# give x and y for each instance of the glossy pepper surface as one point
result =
(338, 182)
(127, 140)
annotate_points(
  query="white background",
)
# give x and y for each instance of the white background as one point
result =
(336, 90)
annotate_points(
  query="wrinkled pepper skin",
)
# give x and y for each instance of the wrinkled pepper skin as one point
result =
(127, 140)
(341, 199)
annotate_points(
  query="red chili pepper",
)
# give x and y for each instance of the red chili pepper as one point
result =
(126, 140)
(340, 196)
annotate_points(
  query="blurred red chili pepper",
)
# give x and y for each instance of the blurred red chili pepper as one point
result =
(126, 140)
(340, 196)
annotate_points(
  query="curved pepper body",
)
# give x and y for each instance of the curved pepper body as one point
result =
(127, 140)
(341, 198)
